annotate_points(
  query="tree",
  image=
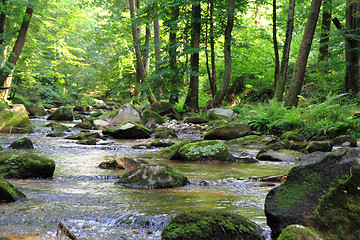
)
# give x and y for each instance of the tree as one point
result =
(276, 48)
(325, 30)
(302, 57)
(280, 86)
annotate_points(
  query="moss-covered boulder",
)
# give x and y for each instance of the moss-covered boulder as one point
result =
(319, 146)
(284, 144)
(338, 214)
(298, 232)
(23, 143)
(206, 151)
(15, 165)
(8, 192)
(196, 119)
(344, 140)
(62, 114)
(227, 131)
(294, 136)
(294, 201)
(128, 130)
(161, 143)
(153, 176)
(15, 120)
(220, 114)
(36, 109)
(56, 134)
(122, 163)
(211, 225)
(84, 125)
(252, 141)
(58, 127)
(126, 113)
(88, 141)
(172, 152)
(164, 132)
(282, 155)
(165, 109)
(148, 114)
(84, 136)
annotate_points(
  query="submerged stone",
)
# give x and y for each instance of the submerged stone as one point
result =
(15, 120)
(211, 225)
(153, 176)
(128, 130)
(8, 192)
(23, 143)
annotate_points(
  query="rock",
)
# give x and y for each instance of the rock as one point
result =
(284, 144)
(345, 140)
(294, 201)
(126, 113)
(36, 109)
(153, 176)
(15, 165)
(123, 163)
(84, 136)
(276, 178)
(8, 192)
(282, 155)
(172, 152)
(220, 113)
(164, 132)
(196, 119)
(62, 114)
(88, 141)
(338, 214)
(294, 136)
(56, 134)
(84, 125)
(23, 143)
(148, 114)
(161, 143)
(319, 146)
(298, 232)
(252, 141)
(211, 225)
(58, 127)
(82, 108)
(15, 120)
(128, 130)
(164, 109)
(205, 151)
(227, 131)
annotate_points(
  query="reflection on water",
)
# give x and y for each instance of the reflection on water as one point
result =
(86, 199)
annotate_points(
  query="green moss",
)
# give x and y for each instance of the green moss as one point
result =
(214, 116)
(290, 135)
(56, 134)
(172, 152)
(8, 192)
(252, 140)
(15, 120)
(84, 136)
(296, 232)
(148, 114)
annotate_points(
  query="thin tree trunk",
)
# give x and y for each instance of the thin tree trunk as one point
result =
(227, 55)
(276, 48)
(19, 43)
(2, 29)
(174, 75)
(192, 99)
(302, 58)
(325, 31)
(146, 58)
(157, 39)
(280, 86)
(212, 46)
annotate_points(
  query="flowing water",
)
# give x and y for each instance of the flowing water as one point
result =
(86, 199)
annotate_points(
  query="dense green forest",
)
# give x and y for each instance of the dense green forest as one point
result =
(195, 54)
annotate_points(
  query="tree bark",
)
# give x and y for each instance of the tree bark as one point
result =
(19, 44)
(302, 58)
(325, 31)
(276, 48)
(227, 55)
(280, 86)
(157, 39)
(212, 72)
(352, 45)
(192, 99)
(174, 75)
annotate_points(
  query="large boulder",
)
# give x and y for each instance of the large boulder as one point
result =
(220, 113)
(23, 143)
(298, 232)
(128, 130)
(211, 225)
(228, 131)
(15, 120)
(172, 152)
(164, 132)
(319, 146)
(153, 176)
(294, 201)
(15, 165)
(282, 155)
(148, 114)
(122, 163)
(294, 136)
(62, 114)
(126, 113)
(254, 141)
(8, 192)
(165, 109)
(205, 151)
(344, 140)
(36, 109)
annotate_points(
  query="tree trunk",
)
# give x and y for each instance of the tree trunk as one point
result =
(325, 30)
(276, 48)
(352, 45)
(19, 43)
(146, 58)
(280, 86)
(2, 29)
(302, 58)
(212, 72)
(227, 55)
(192, 99)
(174, 75)
(157, 39)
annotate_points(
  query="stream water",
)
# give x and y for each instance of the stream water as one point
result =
(86, 199)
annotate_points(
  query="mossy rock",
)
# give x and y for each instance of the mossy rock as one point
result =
(122, 163)
(58, 127)
(196, 119)
(15, 120)
(298, 232)
(56, 134)
(213, 116)
(23, 143)
(128, 130)
(36, 109)
(206, 151)
(97, 114)
(84, 125)
(319, 146)
(28, 165)
(172, 152)
(164, 132)
(252, 141)
(294, 136)
(84, 136)
(62, 114)
(148, 114)
(161, 143)
(227, 131)
(153, 176)
(82, 108)
(344, 140)
(282, 155)
(8, 192)
(211, 225)
(338, 214)
(87, 141)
